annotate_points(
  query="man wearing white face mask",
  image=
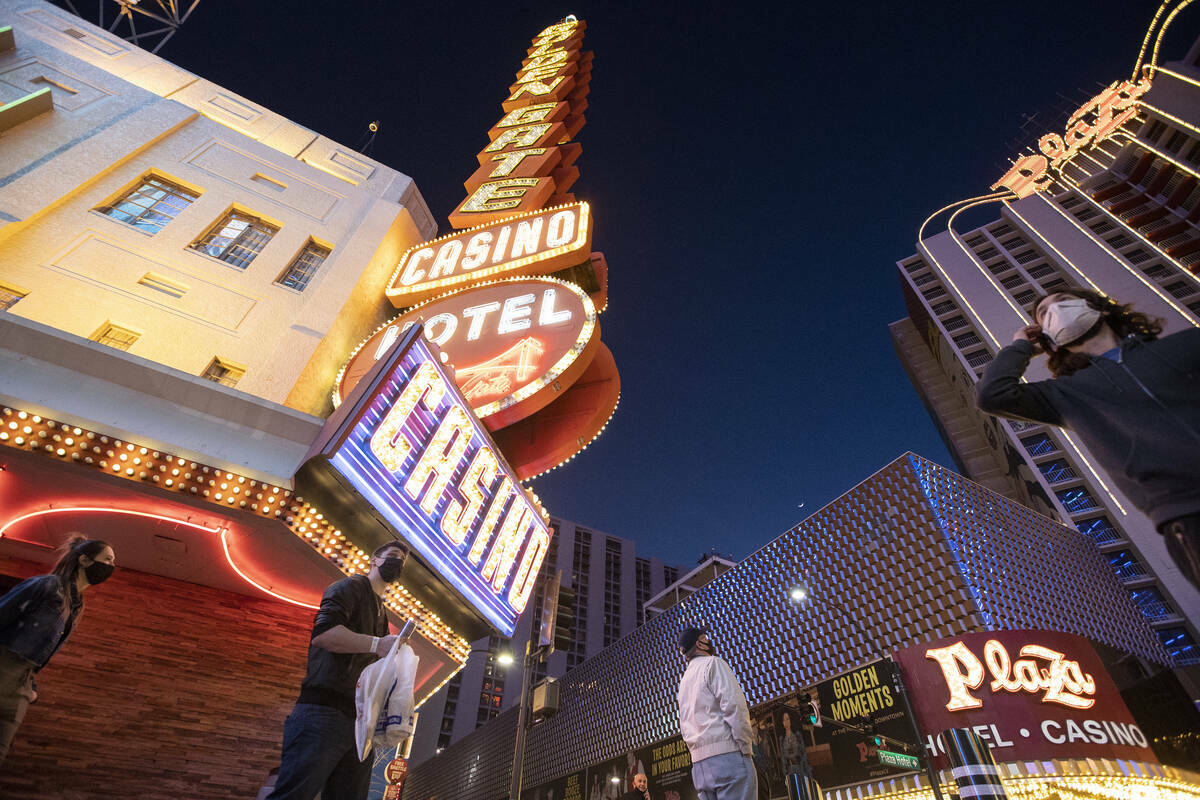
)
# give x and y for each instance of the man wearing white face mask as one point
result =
(1133, 398)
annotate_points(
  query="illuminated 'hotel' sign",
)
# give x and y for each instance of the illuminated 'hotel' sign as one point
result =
(1094, 121)
(409, 446)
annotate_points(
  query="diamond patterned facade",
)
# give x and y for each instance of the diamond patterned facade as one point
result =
(914, 553)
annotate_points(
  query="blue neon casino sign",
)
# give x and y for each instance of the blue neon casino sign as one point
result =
(410, 448)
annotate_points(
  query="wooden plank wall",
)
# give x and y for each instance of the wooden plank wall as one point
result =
(166, 690)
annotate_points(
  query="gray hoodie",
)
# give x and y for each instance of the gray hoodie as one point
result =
(1139, 415)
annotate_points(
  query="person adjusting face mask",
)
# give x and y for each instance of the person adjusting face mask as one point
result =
(1132, 398)
(1068, 321)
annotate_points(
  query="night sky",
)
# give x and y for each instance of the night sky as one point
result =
(755, 170)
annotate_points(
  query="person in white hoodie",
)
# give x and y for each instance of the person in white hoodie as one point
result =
(714, 721)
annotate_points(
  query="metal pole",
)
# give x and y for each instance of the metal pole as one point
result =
(926, 759)
(531, 659)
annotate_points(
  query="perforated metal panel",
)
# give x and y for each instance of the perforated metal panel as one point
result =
(912, 554)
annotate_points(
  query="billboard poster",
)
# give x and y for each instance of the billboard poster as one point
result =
(566, 787)
(786, 741)
(1032, 695)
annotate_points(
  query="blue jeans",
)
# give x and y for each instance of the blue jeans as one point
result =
(729, 776)
(319, 755)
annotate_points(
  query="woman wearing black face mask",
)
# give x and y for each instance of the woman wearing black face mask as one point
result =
(36, 617)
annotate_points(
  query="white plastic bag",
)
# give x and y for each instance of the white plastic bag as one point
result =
(384, 700)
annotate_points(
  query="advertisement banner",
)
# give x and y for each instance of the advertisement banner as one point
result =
(835, 755)
(1031, 695)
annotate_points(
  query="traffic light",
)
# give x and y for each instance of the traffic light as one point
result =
(812, 709)
(564, 623)
(872, 736)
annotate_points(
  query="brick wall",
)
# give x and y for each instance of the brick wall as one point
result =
(166, 690)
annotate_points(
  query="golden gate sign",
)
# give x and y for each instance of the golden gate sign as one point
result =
(529, 162)
(1107, 111)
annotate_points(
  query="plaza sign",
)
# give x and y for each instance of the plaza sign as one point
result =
(1094, 121)
(406, 452)
(1032, 695)
(540, 241)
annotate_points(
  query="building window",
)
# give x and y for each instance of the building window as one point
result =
(223, 372)
(1151, 603)
(1099, 528)
(1039, 444)
(1126, 565)
(304, 266)
(150, 205)
(9, 297)
(236, 239)
(1180, 645)
(115, 336)
(1078, 500)
(1058, 471)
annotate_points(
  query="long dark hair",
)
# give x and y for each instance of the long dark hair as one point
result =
(67, 568)
(1121, 318)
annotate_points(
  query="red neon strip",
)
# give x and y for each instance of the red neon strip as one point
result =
(223, 531)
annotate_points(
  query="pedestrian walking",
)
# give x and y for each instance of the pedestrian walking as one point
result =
(1133, 399)
(715, 722)
(349, 632)
(36, 618)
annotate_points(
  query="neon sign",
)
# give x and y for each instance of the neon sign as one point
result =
(1044, 670)
(529, 161)
(409, 446)
(1094, 121)
(542, 241)
(508, 341)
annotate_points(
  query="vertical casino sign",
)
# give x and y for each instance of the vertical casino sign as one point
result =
(512, 298)
(405, 459)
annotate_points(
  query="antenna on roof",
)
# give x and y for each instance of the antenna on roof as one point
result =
(158, 19)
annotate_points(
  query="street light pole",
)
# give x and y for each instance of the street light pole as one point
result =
(798, 594)
(532, 655)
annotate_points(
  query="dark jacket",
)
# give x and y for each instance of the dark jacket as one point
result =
(1139, 416)
(331, 677)
(34, 620)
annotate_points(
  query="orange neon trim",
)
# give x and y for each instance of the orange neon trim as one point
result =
(223, 531)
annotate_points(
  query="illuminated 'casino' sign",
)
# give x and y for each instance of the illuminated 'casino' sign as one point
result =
(541, 241)
(509, 343)
(406, 446)
(1094, 121)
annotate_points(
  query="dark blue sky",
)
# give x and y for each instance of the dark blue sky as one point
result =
(755, 171)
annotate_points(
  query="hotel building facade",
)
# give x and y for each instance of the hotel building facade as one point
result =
(182, 274)
(913, 554)
(1120, 215)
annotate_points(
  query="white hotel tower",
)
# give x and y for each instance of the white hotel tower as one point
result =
(1122, 216)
